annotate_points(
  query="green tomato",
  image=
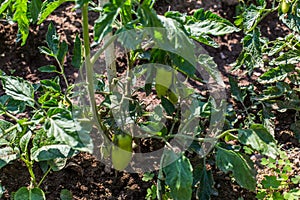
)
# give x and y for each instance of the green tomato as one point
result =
(121, 152)
(173, 97)
(285, 6)
(163, 81)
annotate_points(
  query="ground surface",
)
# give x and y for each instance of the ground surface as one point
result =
(85, 176)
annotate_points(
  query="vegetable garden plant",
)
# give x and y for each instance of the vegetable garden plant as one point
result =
(55, 128)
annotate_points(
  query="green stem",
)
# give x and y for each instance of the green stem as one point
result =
(267, 11)
(62, 72)
(96, 56)
(14, 127)
(205, 139)
(228, 132)
(10, 129)
(159, 178)
(88, 64)
(29, 166)
(44, 176)
(89, 70)
(11, 116)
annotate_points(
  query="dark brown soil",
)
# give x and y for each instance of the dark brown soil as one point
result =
(85, 176)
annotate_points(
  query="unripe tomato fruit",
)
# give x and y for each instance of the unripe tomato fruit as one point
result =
(285, 6)
(163, 81)
(173, 97)
(121, 151)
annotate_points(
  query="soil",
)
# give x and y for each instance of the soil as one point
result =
(85, 176)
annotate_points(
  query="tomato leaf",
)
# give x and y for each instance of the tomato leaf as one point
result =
(48, 68)
(292, 20)
(77, 53)
(250, 16)
(204, 181)
(52, 39)
(4, 5)
(20, 16)
(29, 194)
(287, 58)
(61, 125)
(18, 89)
(103, 24)
(209, 23)
(24, 141)
(179, 176)
(8, 154)
(48, 7)
(259, 138)
(167, 105)
(276, 74)
(62, 52)
(35, 8)
(11, 105)
(242, 168)
(251, 55)
(50, 152)
(235, 90)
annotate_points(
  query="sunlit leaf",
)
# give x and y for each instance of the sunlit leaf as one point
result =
(20, 16)
(259, 138)
(29, 194)
(18, 89)
(242, 168)
(8, 154)
(4, 5)
(48, 7)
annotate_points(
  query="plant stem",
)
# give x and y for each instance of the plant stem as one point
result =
(204, 139)
(109, 55)
(159, 178)
(29, 166)
(88, 64)
(227, 132)
(44, 176)
(90, 70)
(101, 50)
(62, 72)
(267, 11)
(11, 116)
(16, 126)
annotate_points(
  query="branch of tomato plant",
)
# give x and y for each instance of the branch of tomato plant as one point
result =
(90, 71)
(29, 165)
(44, 176)
(96, 56)
(267, 12)
(227, 132)
(247, 113)
(11, 116)
(6, 131)
(159, 178)
(62, 72)
(109, 55)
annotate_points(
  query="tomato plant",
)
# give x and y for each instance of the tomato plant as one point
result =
(57, 128)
